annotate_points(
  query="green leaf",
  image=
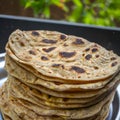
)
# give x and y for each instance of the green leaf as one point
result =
(46, 12)
(88, 18)
(75, 15)
(87, 2)
(56, 2)
(23, 2)
(65, 8)
(60, 4)
(77, 3)
(28, 4)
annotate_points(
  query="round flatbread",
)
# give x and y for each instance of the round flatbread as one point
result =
(16, 70)
(72, 59)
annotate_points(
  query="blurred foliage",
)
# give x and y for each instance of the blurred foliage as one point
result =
(42, 7)
(97, 12)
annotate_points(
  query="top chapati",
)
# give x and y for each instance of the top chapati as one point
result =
(62, 57)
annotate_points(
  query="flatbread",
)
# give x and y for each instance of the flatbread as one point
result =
(86, 94)
(73, 59)
(10, 112)
(47, 97)
(69, 114)
(15, 70)
(4, 103)
(26, 93)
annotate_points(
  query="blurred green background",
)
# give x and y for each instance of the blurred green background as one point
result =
(95, 12)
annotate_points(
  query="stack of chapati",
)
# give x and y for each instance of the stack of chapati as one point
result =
(54, 76)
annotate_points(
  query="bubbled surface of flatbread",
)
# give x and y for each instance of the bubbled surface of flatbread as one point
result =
(57, 55)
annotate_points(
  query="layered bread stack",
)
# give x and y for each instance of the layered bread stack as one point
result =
(54, 76)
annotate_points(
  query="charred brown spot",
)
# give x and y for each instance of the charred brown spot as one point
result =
(114, 64)
(32, 52)
(62, 37)
(22, 43)
(113, 58)
(27, 58)
(49, 41)
(12, 41)
(97, 56)
(78, 69)
(35, 33)
(58, 65)
(83, 54)
(67, 54)
(87, 49)
(88, 57)
(12, 70)
(95, 67)
(62, 66)
(94, 50)
(65, 45)
(8, 64)
(78, 42)
(48, 49)
(44, 58)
